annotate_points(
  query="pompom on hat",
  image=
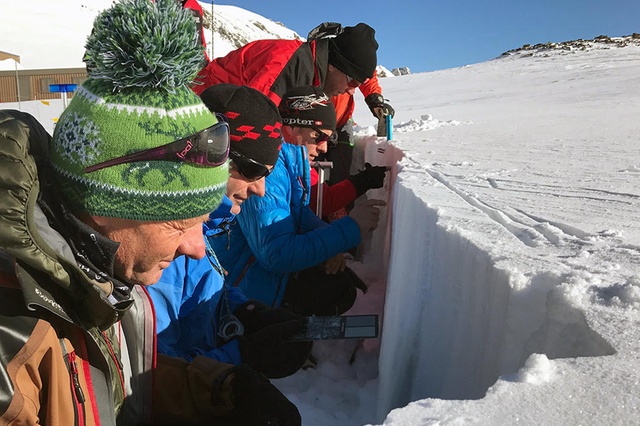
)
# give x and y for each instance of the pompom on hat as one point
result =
(141, 58)
(307, 106)
(353, 52)
(254, 122)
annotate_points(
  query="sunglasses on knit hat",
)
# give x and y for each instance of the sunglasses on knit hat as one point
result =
(208, 148)
(248, 168)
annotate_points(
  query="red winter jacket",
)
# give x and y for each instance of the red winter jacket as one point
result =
(269, 66)
(334, 197)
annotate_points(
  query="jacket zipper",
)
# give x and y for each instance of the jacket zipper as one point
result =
(116, 360)
(78, 395)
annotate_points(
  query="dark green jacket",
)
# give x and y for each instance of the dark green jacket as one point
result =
(68, 354)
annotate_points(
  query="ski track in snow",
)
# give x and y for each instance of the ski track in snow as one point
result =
(496, 281)
(528, 226)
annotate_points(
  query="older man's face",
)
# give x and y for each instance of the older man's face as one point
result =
(146, 248)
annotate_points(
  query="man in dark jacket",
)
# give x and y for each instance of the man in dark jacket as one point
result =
(89, 218)
(276, 66)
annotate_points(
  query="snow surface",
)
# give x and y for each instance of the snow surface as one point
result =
(506, 265)
(57, 31)
(511, 269)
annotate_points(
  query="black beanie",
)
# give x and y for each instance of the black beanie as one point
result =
(307, 106)
(353, 52)
(254, 122)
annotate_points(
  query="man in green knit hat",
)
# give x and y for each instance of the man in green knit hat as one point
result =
(90, 217)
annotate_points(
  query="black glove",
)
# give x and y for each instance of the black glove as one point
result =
(356, 280)
(370, 178)
(258, 402)
(379, 108)
(265, 347)
(255, 315)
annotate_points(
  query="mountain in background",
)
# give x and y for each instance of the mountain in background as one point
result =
(234, 27)
(51, 34)
(580, 45)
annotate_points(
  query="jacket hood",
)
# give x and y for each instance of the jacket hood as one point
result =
(45, 265)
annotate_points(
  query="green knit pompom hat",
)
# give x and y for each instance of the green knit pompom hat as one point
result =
(141, 58)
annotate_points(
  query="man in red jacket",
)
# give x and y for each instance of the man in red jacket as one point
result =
(341, 153)
(275, 66)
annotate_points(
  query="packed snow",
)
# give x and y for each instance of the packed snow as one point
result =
(507, 274)
(505, 268)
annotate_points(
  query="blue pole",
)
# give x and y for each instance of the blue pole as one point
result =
(389, 127)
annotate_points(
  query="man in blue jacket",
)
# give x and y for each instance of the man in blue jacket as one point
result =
(197, 312)
(279, 235)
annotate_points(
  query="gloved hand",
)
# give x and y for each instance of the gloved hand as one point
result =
(255, 315)
(258, 402)
(357, 280)
(265, 347)
(371, 177)
(343, 136)
(379, 108)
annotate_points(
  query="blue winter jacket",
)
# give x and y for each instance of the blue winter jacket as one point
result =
(278, 234)
(189, 302)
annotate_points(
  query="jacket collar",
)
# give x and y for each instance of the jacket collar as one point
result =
(320, 50)
(93, 297)
(37, 240)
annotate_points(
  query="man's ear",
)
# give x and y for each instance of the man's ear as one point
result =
(93, 221)
(99, 223)
(287, 132)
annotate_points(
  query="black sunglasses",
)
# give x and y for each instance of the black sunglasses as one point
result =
(323, 137)
(352, 82)
(208, 148)
(248, 168)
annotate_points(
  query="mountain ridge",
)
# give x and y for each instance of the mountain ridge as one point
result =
(57, 31)
(599, 42)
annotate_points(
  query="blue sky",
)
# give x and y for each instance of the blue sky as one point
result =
(427, 35)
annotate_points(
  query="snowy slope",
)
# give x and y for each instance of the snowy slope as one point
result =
(234, 27)
(47, 34)
(57, 31)
(515, 232)
(531, 230)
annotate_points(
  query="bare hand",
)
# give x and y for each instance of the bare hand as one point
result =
(367, 215)
(335, 264)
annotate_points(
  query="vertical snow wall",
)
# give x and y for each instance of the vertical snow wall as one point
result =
(456, 315)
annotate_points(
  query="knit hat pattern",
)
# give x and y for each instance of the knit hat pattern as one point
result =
(307, 106)
(254, 123)
(353, 52)
(137, 97)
